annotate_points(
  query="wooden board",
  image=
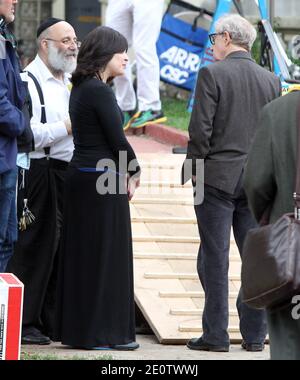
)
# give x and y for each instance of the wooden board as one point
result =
(166, 243)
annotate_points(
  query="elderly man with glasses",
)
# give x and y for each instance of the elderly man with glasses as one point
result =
(36, 255)
(229, 97)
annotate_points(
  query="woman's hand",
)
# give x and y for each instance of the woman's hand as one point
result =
(132, 184)
(68, 126)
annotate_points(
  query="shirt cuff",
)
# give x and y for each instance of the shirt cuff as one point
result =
(59, 130)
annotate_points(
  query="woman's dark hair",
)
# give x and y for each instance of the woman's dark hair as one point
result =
(97, 49)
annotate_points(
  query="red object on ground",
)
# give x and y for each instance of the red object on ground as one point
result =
(162, 134)
(167, 135)
(11, 311)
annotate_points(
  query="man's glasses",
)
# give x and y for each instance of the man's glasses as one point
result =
(66, 41)
(213, 36)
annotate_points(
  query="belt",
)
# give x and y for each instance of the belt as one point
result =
(50, 163)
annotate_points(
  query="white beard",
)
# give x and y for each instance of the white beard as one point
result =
(60, 61)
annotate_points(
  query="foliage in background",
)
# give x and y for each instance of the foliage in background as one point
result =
(256, 50)
(176, 112)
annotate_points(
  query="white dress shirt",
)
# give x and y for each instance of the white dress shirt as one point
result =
(56, 93)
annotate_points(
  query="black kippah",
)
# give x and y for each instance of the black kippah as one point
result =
(46, 24)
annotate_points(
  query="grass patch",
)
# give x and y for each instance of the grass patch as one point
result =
(35, 356)
(176, 112)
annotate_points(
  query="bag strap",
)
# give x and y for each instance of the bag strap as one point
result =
(42, 102)
(297, 190)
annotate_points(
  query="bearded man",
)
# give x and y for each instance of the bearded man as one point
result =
(36, 260)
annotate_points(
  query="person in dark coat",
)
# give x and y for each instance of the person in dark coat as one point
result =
(12, 125)
(35, 261)
(269, 184)
(96, 307)
(229, 96)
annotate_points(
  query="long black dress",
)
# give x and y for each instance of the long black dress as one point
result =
(96, 296)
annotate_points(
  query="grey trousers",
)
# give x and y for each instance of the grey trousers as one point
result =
(216, 215)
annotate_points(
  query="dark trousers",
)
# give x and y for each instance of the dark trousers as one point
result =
(8, 217)
(216, 215)
(35, 261)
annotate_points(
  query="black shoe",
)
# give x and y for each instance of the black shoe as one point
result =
(31, 335)
(126, 347)
(118, 347)
(179, 150)
(199, 344)
(253, 347)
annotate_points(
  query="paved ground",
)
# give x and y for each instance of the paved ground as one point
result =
(150, 349)
(143, 144)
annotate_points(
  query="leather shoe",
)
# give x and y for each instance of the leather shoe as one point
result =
(31, 335)
(126, 347)
(119, 347)
(199, 344)
(253, 347)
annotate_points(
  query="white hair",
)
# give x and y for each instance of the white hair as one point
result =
(60, 61)
(41, 37)
(241, 31)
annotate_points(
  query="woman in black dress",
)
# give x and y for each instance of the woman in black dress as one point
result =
(96, 296)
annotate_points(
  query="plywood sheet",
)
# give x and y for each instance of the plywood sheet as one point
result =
(166, 243)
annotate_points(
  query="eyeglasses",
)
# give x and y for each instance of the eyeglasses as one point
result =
(212, 37)
(67, 41)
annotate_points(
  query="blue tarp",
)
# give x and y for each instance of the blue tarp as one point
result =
(179, 48)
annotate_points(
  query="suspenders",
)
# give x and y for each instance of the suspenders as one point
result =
(42, 101)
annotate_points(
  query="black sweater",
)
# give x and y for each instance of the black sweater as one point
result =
(97, 124)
